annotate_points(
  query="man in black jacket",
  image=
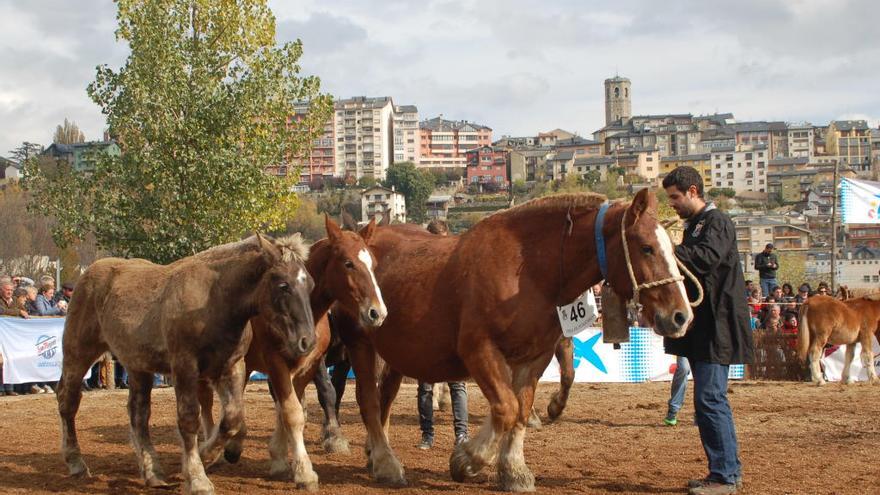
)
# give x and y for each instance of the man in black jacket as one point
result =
(767, 264)
(720, 334)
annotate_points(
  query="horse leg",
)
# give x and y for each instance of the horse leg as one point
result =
(186, 382)
(230, 389)
(339, 379)
(333, 440)
(289, 432)
(847, 363)
(867, 355)
(79, 354)
(381, 461)
(140, 386)
(389, 386)
(565, 356)
(488, 367)
(513, 473)
(815, 359)
(206, 404)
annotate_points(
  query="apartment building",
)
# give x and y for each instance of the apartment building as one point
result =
(742, 168)
(407, 139)
(850, 141)
(701, 162)
(363, 128)
(488, 164)
(318, 160)
(445, 143)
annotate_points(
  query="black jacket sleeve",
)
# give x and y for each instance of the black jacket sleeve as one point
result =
(706, 255)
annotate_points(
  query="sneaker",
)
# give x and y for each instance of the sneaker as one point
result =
(670, 421)
(48, 389)
(426, 443)
(37, 390)
(461, 438)
(701, 482)
(712, 488)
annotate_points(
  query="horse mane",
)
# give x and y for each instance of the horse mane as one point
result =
(589, 201)
(293, 248)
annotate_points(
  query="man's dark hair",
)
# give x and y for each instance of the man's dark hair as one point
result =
(683, 178)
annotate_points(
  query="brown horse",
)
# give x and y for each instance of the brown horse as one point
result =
(187, 319)
(342, 267)
(825, 320)
(483, 305)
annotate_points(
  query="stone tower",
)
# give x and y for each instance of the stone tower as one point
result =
(618, 102)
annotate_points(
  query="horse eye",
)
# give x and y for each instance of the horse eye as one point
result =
(284, 286)
(349, 264)
(647, 250)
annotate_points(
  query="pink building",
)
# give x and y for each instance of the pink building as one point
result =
(444, 143)
(488, 164)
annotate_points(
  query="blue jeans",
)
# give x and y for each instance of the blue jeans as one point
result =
(458, 393)
(679, 386)
(767, 285)
(715, 421)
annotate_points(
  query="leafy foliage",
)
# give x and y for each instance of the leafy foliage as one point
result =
(68, 133)
(415, 185)
(200, 109)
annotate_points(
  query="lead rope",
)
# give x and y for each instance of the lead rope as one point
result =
(656, 283)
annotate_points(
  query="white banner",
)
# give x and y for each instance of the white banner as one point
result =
(860, 201)
(31, 349)
(639, 360)
(834, 358)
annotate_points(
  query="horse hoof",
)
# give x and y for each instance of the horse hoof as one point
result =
(232, 455)
(199, 487)
(460, 465)
(554, 410)
(336, 445)
(535, 422)
(306, 480)
(281, 474)
(154, 482)
(391, 474)
(516, 479)
(79, 470)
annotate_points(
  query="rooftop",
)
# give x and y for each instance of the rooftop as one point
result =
(440, 124)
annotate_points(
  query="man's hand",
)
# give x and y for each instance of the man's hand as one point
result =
(24, 314)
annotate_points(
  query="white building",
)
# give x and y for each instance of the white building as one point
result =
(742, 168)
(378, 200)
(801, 141)
(363, 136)
(406, 134)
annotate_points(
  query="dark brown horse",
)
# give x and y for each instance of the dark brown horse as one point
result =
(483, 305)
(342, 268)
(186, 319)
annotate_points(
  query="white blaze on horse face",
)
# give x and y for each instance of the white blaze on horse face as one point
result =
(367, 260)
(668, 253)
(301, 276)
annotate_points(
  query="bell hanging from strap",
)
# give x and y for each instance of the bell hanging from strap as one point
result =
(615, 321)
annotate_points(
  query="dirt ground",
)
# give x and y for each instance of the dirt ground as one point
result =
(794, 438)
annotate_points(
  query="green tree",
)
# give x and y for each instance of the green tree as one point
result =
(591, 178)
(25, 152)
(68, 133)
(415, 185)
(200, 109)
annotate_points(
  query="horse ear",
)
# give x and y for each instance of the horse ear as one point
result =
(368, 231)
(333, 230)
(267, 247)
(645, 200)
(348, 222)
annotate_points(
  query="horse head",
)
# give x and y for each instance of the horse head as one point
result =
(349, 276)
(283, 296)
(648, 271)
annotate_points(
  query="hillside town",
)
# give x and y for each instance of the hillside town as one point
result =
(775, 178)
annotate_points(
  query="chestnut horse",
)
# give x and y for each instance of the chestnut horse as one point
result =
(187, 319)
(825, 320)
(342, 268)
(483, 305)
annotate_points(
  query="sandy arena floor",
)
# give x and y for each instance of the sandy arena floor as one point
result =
(794, 438)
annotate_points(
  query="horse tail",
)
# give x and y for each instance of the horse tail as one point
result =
(803, 332)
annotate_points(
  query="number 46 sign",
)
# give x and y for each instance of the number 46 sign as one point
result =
(579, 315)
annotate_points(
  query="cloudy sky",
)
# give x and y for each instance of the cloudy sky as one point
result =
(517, 66)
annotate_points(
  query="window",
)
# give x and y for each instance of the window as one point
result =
(649, 158)
(866, 278)
(768, 231)
(617, 92)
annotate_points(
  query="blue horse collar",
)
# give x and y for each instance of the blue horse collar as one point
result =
(600, 240)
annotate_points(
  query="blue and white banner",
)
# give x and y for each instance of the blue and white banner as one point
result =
(639, 360)
(31, 349)
(860, 201)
